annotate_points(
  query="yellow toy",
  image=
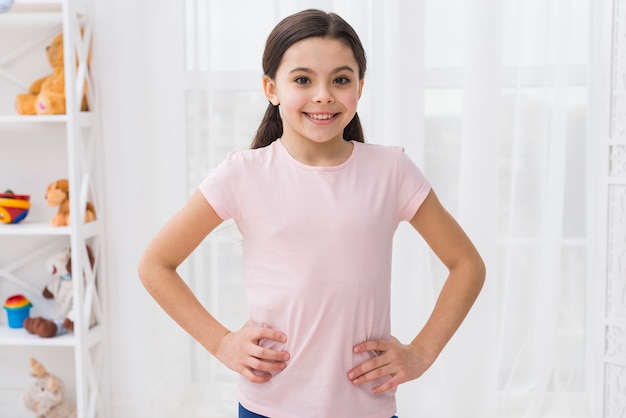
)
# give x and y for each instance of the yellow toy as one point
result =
(58, 194)
(46, 96)
(13, 207)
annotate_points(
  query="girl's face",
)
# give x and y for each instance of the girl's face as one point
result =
(317, 87)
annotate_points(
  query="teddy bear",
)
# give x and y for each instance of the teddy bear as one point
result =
(58, 194)
(60, 289)
(46, 396)
(46, 96)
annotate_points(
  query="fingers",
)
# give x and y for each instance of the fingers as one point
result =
(376, 346)
(268, 354)
(371, 369)
(263, 359)
(388, 385)
(391, 362)
(268, 333)
(263, 366)
(241, 352)
(394, 377)
(253, 377)
(264, 353)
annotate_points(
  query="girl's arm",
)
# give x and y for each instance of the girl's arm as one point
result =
(157, 270)
(465, 280)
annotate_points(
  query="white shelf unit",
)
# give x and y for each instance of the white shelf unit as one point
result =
(37, 150)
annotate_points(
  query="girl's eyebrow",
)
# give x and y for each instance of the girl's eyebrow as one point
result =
(309, 70)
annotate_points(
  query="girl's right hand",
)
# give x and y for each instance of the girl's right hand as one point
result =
(240, 351)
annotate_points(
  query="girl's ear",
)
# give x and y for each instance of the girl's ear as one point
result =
(361, 83)
(269, 88)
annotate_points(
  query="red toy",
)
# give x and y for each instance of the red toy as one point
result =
(13, 207)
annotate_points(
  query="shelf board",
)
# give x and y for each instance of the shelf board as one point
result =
(83, 119)
(32, 228)
(21, 337)
(27, 228)
(36, 6)
(33, 118)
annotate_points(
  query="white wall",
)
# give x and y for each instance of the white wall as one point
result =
(136, 63)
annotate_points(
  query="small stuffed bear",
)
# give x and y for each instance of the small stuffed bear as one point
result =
(46, 96)
(46, 397)
(60, 288)
(58, 194)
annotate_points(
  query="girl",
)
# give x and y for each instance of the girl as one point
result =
(317, 209)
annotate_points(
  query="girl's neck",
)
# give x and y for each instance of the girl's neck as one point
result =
(316, 154)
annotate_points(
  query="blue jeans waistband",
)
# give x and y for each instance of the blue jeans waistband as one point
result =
(244, 413)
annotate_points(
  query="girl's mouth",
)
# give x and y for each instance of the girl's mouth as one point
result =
(321, 117)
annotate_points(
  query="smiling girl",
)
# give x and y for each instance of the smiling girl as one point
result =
(317, 209)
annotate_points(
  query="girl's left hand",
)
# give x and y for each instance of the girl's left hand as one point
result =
(399, 361)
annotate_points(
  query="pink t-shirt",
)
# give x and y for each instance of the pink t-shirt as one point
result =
(317, 245)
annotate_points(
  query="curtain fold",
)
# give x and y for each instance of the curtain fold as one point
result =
(478, 202)
(533, 330)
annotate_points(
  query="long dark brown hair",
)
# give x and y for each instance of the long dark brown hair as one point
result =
(297, 27)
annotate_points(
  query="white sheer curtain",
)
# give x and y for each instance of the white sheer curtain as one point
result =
(490, 98)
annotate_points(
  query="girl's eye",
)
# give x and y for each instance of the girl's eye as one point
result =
(302, 80)
(342, 80)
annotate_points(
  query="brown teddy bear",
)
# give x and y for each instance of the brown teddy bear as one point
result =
(46, 96)
(58, 194)
(60, 289)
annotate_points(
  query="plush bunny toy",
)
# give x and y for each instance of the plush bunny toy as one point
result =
(46, 397)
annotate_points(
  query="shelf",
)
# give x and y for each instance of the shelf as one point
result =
(36, 6)
(21, 337)
(84, 119)
(26, 228)
(26, 27)
(34, 229)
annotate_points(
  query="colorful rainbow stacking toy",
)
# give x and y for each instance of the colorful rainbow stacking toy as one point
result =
(13, 207)
(18, 309)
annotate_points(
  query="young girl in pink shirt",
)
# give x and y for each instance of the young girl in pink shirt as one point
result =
(317, 208)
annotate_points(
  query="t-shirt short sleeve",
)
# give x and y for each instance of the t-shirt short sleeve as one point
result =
(413, 187)
(222, 187)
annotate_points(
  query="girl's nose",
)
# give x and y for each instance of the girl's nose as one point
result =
(323, 95)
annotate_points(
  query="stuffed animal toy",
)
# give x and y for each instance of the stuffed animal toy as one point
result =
(60, 289)
(46, 396)
(58, 194)
(46, 96)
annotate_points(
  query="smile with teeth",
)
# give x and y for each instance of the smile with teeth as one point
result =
(321, 116)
